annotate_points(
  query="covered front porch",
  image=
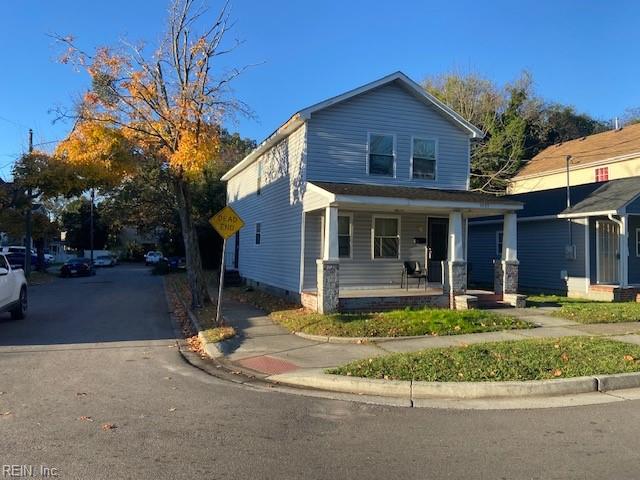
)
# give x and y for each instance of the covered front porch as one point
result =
(377, 247)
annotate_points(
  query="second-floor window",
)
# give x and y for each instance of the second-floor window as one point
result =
(381, 154)
(602, 174)
(258, 233)
(423, 160)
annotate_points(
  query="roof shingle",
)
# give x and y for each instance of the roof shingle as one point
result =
(585, 151)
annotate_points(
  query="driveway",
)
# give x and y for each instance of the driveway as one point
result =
(99, 350)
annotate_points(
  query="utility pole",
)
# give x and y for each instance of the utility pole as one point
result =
(91, 224)
(27, 233)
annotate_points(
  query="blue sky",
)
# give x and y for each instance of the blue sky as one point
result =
(584, 53)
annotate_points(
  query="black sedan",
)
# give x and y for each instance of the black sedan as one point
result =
(77, 266)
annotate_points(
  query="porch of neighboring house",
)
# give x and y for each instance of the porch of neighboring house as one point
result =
(611, 214)
(614, 258)
(355, 248)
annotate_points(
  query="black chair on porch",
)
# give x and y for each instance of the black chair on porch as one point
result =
(413, 270)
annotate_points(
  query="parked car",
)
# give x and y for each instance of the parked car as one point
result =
(176, 262)
(15, 249)
(104, 261)
(13, 290)
(77, 266)
(153, 257)
(17, 260)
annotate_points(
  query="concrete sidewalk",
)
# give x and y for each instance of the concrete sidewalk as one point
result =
(265, 348)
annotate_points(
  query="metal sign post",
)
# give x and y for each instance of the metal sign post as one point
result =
(219, 319)
(226, 222)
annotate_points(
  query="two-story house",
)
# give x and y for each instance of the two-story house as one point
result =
(580, 226)
(346, 191)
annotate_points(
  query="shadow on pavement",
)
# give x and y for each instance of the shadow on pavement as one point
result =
(125, 303)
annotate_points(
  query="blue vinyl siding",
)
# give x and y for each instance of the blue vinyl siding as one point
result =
(634, 259)
(541, 252)
(278, 208)
(338, 135)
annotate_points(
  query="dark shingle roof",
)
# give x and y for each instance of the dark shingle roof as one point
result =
(612, 195)
(413, 193)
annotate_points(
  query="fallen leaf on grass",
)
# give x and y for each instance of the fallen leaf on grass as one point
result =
(557, 372)
(85, 418)
(456, 328)
(109, 426)
(628, 358)
(564, 357)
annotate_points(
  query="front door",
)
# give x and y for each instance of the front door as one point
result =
(438, 233)
(607, 252)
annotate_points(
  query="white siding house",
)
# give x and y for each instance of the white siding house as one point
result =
(348, 194)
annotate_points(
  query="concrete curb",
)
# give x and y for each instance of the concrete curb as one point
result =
(618, 381)
(414, 390)
(212, 349)
(356, 340)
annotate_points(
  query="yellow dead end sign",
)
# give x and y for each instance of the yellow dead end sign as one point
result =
(226, 222)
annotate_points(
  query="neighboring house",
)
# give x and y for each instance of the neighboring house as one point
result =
(588, 249)
(347, 190)
(604, 156)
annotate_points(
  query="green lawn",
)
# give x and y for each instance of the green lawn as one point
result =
(588, 311)
(553, 300)
(503, 361)
(396, 323)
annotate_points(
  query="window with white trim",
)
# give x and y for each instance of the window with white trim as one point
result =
(258, 233)
(386, 237)
(344, 236)
(423, 159)
(602, 174)
(381, 154)
(499, 239)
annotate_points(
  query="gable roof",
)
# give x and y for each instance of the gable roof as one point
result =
(610, 197)
(609, 145)
(301, 116)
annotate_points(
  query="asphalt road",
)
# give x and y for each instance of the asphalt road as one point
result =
(102, 347)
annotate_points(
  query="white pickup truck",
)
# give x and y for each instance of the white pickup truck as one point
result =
(13, 290)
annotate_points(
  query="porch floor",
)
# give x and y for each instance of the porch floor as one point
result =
(434, 289)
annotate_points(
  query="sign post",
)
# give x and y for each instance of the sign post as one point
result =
(226, 222)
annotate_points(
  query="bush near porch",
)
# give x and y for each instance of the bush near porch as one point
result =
(394, 323)
(518, 360)
(588, 311)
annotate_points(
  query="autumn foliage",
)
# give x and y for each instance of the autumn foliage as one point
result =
(165, 107)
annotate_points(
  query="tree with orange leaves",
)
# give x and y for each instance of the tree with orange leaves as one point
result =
(166, 107)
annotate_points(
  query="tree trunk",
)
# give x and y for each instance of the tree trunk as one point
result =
(195, 275)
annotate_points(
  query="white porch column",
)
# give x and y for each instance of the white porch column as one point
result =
(456, 282)
(623, 238)
(328, 267)
(330, 234)
(456, 242)
(506, 274)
